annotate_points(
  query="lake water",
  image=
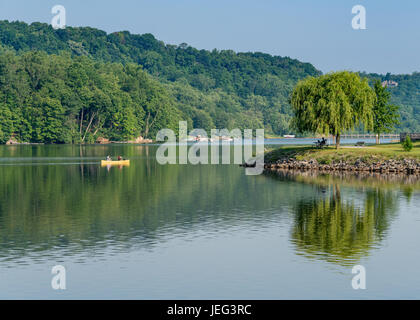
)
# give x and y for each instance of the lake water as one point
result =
(151, 231)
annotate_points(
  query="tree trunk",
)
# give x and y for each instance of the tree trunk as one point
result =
(150, 124)
(378, 141)
(337, 141)
(146, 130)
(81, 123)
(88, 127)
(98, 126)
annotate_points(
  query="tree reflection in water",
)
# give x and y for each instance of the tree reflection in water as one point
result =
(340, 230)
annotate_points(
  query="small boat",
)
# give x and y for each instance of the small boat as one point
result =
(115, 163)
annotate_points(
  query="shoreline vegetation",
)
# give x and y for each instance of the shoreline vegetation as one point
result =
(74, 85)
(101, 141)
(385, 158)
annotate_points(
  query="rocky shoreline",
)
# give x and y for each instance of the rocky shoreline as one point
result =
(407, 166)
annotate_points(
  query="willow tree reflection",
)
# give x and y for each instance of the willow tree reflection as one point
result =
(342, 231)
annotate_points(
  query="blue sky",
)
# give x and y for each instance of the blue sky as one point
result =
(317, 31)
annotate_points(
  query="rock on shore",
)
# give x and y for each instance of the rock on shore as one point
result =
(409, 166)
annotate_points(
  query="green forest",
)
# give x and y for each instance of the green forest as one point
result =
(406, 95)
(74, 85)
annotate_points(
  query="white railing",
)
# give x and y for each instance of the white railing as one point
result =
(370, 136)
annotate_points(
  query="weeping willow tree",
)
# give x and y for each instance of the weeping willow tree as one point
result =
(332, 104)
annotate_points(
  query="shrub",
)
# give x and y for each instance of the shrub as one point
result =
(407, 144)
(324, 161)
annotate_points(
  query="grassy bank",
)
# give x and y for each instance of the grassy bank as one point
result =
(370, 153)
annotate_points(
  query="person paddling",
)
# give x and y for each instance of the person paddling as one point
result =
(119, 158)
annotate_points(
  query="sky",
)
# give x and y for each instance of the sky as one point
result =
(317, 31)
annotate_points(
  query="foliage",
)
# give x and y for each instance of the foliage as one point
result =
(60, 99)
(220, 89)
(407, 143)
(332, 104)
(385, 115)
(406, 95)
(232, 89)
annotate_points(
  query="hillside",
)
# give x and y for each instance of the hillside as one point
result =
(209, 89)
(407, 96)
(212, 89)
(60, 99)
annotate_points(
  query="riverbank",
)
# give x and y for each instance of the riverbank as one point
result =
(386, 158)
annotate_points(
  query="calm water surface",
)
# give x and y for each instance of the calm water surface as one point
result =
(199, 232)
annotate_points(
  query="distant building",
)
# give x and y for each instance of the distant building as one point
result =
(389, 83)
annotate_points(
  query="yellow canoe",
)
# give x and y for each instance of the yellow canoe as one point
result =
(115, 163)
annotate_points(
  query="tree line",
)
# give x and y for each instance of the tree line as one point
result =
(211, 89)
(60, 99)
(208, 89)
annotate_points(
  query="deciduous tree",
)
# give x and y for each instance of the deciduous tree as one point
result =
(332, 104)
(385, 115)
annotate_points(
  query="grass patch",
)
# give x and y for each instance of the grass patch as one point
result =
(328, 155)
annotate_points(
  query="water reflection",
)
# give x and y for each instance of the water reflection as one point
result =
(342, 231)
(361, 180)
(86, 210)
(348, 214)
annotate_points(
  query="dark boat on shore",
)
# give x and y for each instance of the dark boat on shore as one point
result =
(247, 165)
